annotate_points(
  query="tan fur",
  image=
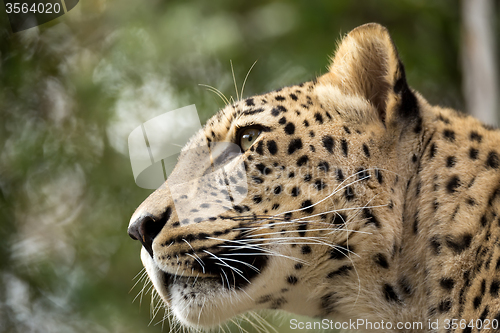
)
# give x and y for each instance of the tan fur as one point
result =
(420, 237)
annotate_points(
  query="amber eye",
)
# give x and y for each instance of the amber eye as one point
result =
(247, 137)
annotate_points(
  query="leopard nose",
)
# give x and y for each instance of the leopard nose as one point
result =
(146, 227)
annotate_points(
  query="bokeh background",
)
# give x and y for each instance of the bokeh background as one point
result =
(72, 89)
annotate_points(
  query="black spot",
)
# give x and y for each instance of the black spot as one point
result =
(494, 288)
(328, 143)
(294, 97)
(272, 147)
(295, 191)
(418, 127)
(435, 245)
(263, 169)
(445, 305)
(277, 189)
(349, 193)
(277, 110)
(257, 199)
(239, 209)
(347, 130)
(381, 260)
(484, 314)
(390, 294)
(253, 111)
(483, 221)
(368, 214)
(328, 303)
(257, 180)
(493, 161)
(451, 161)
(362, 174)
(366, 150)
(282, 120)
(340, 252)
(307, 206)
(306, 123)
(290, 128)
(323, 166)
(344, 270)
(473, 153)
(291, 174)
(414, 158)
(319, 184)
(307, 177)
(306, 249)
(279, 98)
(477, 302)
(318, 117)
(275, 206)
(278, 303)
(294, 145)
(260, 148)
(302, 160)
(453, 184)
(447, 283)
(298, 266)
(345, 147)
(459, 244)
(339, 174)
(311, 134)
(405, 286)
(249, 102)
(475, 136)
(432, 150)
(264, 299)
(449, 135)
(292, 280)
(443, 119)
(338, 219)
(378, 175)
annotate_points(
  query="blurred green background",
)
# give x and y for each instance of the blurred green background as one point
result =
(72, 90)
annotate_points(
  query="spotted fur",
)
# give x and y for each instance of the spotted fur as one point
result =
(363, 201)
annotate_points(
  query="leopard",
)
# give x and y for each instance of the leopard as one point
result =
(349, 198)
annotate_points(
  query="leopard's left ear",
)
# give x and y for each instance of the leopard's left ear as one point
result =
(367, 65)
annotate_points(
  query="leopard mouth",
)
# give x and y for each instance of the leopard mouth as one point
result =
(190, 296)
(231, 269)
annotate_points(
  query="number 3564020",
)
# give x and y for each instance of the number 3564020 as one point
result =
(41, 8)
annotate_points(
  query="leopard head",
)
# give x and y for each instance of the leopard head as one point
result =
(281, 199)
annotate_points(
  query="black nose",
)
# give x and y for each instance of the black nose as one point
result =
(146, 227)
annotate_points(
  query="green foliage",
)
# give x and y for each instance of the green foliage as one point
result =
(72, 90)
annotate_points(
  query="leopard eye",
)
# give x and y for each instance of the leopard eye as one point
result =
(247, 137)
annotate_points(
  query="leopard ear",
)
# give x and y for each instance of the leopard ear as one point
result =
(367, 65)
